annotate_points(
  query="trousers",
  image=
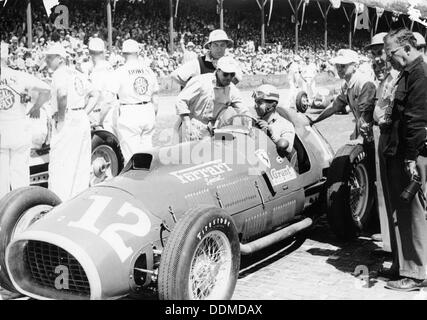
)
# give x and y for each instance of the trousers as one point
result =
(15, 147)
(407, 221)
(135, 128)
(70, 156)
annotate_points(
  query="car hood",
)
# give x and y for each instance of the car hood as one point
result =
(104, 229)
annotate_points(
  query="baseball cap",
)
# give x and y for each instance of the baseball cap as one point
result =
(227, 64)
(376, 40)
(130, 46)
(421, 41)
(345, 56)
(218, 35)
(96, 44)
(57, 49)
(4, 52)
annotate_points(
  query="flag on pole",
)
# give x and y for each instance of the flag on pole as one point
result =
(176, 8)
(361, 17)
(49, 4)
(269, 14)
(335, 3)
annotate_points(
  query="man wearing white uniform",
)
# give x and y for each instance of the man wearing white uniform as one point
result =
(15, 137)
(136, 86)
(70, 148)
(101, 77)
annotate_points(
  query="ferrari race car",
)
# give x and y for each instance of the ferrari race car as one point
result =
(177, 219)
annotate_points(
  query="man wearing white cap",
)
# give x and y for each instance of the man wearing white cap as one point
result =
(101, 77)
(421, 45)
(15, 136)
(137, 88)
(217, 43)
(73, 98)
(358, 92)
(204, 97)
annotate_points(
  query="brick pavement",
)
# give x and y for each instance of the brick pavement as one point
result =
(318, 268)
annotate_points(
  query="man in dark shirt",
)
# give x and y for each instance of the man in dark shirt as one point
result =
(405, 125)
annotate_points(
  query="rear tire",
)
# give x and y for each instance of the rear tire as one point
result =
(350, 192)
(201, 259)
(105, 149)
(298, 101)
(14, 207)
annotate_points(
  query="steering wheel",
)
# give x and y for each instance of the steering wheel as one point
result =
(242, 115)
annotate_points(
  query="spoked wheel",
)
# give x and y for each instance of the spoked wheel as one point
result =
(201, 259)
(359, 191)
(210, 269)
(350, 192)
(105, 164)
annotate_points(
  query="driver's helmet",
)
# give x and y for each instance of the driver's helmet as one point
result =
(266, 92)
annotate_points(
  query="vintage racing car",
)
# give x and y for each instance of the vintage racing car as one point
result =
(177, 219)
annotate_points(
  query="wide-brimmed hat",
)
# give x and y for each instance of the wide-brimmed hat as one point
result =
(376, 40)
(421, 41)
(345, 56)
(218, 35)
(96, 45)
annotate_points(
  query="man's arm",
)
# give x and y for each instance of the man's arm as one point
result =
(415, 117)
(92, 101)
(185, 72)
(339, 104)
(366, 102)
(43, 94)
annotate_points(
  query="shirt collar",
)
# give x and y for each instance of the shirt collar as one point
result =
(272, 118)
(413, 64)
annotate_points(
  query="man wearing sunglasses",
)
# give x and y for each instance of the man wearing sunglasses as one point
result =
(386, 78)
(405, 160)
(204, 97)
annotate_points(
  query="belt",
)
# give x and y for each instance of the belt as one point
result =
(134, 104)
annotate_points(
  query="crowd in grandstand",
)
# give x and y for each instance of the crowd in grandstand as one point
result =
(147, 23)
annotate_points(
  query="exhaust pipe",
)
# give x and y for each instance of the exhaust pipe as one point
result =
(256, 245)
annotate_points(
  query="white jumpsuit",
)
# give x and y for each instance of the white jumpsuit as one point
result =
(135, 119)
(70, 147)
(15, 136)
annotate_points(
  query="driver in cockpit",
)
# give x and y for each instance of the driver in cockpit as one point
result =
(279, 129)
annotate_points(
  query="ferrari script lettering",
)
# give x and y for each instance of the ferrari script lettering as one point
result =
(205, 171)
(283, 175)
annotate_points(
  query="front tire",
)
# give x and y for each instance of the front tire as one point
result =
(201, 259)
(19, 209)
(350, 192)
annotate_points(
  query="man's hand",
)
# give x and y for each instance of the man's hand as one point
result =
(190, 132)
(366, 131)
(263, 125)
(411, 168)
(34, 112)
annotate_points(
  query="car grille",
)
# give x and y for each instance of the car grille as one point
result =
(43, 259)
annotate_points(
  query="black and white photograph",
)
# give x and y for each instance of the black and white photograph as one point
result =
(240, 151)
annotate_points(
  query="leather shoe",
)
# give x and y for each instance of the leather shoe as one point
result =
(405, 284)
(391, 273)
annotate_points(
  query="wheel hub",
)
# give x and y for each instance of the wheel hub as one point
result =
(100, 167)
